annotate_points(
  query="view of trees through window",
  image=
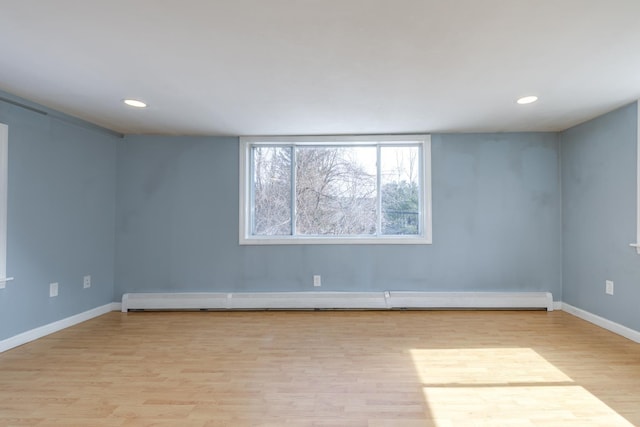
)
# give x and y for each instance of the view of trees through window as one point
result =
(335, 190)
(400, 194)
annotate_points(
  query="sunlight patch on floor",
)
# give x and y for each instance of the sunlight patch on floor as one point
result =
(505, 387)
(484, 366)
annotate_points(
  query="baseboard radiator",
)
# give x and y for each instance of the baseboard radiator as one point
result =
(388, 300)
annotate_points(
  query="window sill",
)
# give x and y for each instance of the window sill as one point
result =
(391, 240)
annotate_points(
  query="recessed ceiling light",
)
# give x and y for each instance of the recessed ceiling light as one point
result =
(527, 99)
(135, 103)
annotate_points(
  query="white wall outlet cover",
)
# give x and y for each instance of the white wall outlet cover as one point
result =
(317, 280)
(53, 290)
(608, 287)
(86, 281)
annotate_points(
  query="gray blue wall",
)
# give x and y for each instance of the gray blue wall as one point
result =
(496, 223)
(599, 216)
(61, 215)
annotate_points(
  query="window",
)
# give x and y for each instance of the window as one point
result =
(636, 244)
(357, 189)
(4, 148)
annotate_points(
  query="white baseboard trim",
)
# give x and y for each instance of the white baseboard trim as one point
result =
(50, 328)
(614, 327)
(335, 300)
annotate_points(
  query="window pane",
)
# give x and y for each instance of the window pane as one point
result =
(335, 190)
(400, 169)
(4, 152)
(271, 191)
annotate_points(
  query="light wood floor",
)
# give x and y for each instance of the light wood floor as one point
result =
(430, 368)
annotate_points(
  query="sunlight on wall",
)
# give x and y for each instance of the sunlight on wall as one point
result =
(504, 386)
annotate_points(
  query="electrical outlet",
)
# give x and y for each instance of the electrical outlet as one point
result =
(608, 287)
(53, 290)
(317, 280)
(86, 282)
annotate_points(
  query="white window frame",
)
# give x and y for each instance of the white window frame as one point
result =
(636, 244)
(245, 236)
(4, 166)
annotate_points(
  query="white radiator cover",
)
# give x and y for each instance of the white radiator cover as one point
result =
(472, 300)
(335, 300)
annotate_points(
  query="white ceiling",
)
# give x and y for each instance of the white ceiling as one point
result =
(268, 67)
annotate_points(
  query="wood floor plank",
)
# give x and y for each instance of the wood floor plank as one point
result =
(361, 368)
